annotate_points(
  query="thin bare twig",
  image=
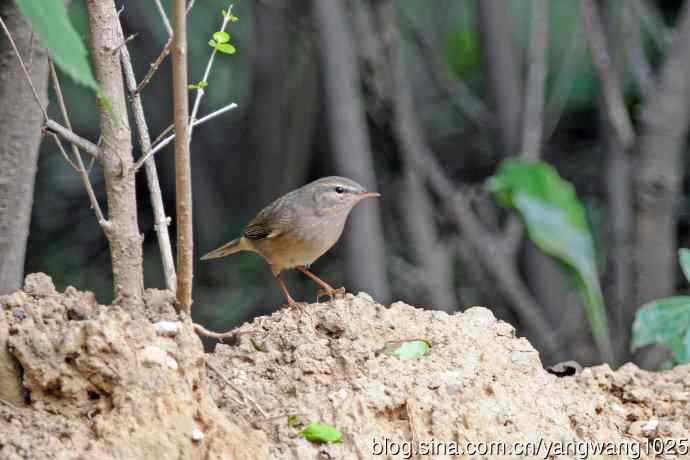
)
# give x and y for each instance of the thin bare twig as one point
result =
(245, 396)
(160, 145)
(161, 221)
(65, 133)
(164, 17)
(68, 135)
(23, 66)
(123, 43)
(153, 68)
(201, 330)
(75, 150)
(200, 91)
(58, 142)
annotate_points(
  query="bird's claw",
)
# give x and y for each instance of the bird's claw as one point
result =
(299, 306)
(331, 293)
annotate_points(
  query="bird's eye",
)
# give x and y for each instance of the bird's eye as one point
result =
(339, 189)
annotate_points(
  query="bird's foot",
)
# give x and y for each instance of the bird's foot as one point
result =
(293, 305)
(331, 293)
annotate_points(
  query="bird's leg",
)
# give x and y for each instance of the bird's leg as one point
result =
(291, 303)
(326, 289)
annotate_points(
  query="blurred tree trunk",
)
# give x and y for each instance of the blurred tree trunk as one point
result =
(503, 70)
(659, 169)
(366, 268)
(115, 156)
(20, 137)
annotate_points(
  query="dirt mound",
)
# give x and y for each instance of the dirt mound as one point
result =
(104, 383)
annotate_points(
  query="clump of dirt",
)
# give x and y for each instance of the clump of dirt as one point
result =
(79, 380)
(102, 383)
(477, 383)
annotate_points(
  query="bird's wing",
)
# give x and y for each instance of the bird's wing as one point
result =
(271, 222)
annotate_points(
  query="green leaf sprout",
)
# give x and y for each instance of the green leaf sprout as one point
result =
(320, 433)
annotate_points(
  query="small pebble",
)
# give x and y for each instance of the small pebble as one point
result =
(197, 435)
(167, 328)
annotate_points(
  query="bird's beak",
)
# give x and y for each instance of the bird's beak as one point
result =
(364, 195)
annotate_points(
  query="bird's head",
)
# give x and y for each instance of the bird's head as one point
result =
(337, 195)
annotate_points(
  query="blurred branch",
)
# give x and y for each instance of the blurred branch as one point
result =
(161, 221)
(565, 80)
(350, 144)
(80, 168)
(533, 115)
(659, 170)
(616, 112)
(637, 57)
(460, 94)
(183, 172)
(158, 146)
(533, 106)
(421, 160)
(503, 69)
(649, 14)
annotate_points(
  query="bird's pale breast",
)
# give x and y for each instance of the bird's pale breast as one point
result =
(303, 243)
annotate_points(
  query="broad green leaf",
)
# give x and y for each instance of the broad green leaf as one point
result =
(226, 48)
(321, 433)
(407, 349)
(221, 37)
(556, 223)
(666, 322)
(212, 43)
(684, 259)
(49, 21)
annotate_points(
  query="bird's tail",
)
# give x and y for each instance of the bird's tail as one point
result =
(236, 245)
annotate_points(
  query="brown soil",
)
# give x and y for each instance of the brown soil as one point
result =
(80, 380)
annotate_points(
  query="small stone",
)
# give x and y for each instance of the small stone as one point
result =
(157, 356)
(14, 300)
(167, 328)
(618, 410)
(650, 425)
(197, 435)
(39, 284)
(18, 314)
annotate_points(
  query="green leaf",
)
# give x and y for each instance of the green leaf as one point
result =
(666, 322)
(292, 420)
(221, 37)
(226, 48)
(556, 223)
(231, 17)
(199, 85)
(49, 21)
(407, 349)
(684, 259)
(321, 433)
(212, 43)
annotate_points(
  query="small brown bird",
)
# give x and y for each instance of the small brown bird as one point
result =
(298, 228)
